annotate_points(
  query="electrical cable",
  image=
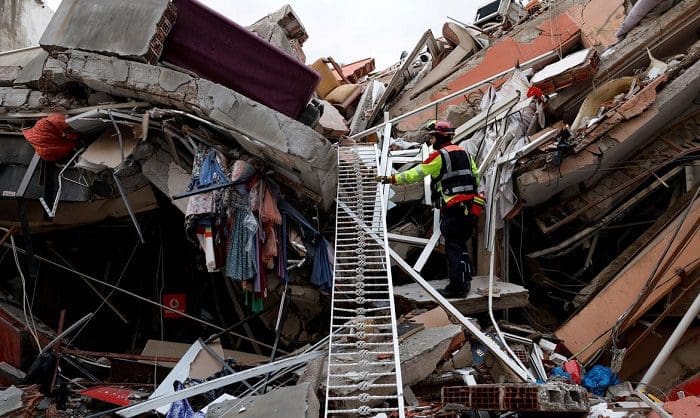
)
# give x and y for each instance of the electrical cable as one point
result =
(25, 300)
(492, 258)
(135, 296)
(106, 298)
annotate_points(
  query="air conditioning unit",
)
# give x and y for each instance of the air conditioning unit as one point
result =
(495, 13)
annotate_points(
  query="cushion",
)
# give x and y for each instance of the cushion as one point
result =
(341, 93)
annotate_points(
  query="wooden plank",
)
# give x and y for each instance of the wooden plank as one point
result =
(508, 295)
(170, 349)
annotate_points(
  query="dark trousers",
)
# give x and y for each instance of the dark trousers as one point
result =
(456, 228)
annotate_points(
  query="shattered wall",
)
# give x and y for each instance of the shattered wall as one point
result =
(295, 150)
(22, 22)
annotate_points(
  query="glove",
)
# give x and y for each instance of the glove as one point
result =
(385, 179)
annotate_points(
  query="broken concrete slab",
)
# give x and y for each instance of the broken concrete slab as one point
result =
(290, 147)
(107, 150)
(598, 21)
(678, 26)
(9, 374)
(10, 400)
(177, 350)
(167, 176)
(589, 330)
(284, 30)
(32, 71)
(13, 97)
(672, 102)
(332, 123)
(22, 22)
(8, 75)
(90, 25)
(524, 44)
(293, 401)
(421, 352)
(506, 295)
(596, 200)
(12, 63)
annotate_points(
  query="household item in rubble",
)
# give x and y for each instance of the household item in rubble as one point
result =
(595, 99)
(341, 94)
(218, 49)
(51, 137)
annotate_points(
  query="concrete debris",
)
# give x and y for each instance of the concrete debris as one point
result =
(507, 295)
(293, 401)
(284, 30)
(83, 25)
(10, 400)
(247, 202)
(22, 23)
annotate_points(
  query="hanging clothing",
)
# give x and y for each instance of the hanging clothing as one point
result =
(205, 216)
(205, 238)
(242, 251)
(264, 202)
(209, 172)
(205, 171)
(322, 272)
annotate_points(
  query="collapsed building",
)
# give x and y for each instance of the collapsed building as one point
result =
(193, 232)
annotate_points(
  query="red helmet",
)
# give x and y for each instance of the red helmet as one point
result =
(443, 128)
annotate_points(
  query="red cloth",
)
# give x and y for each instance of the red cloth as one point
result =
(574, 369)
(51, 137)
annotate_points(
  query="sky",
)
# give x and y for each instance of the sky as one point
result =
(350, 30)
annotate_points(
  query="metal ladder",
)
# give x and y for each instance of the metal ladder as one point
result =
(364, 372)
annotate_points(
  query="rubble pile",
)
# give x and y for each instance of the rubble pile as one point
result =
(192, 232)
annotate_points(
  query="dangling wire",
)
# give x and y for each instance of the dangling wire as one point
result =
(31, 325)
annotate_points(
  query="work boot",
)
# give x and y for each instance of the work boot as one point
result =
(454, 292)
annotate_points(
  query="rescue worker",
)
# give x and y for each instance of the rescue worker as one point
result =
(455, 179)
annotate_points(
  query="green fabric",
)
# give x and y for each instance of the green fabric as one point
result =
(417, 173)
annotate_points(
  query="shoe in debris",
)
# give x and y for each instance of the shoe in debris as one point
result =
(452, 292)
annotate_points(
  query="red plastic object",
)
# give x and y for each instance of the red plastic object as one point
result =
(574, 369)
(689, 387)
(109, 394)
(177, 301)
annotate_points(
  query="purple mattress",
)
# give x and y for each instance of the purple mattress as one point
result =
(218, 49)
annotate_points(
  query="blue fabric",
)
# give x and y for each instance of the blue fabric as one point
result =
(210, 173)
(558, 371)
(599, 378)
(322, 272)
(182, 408)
